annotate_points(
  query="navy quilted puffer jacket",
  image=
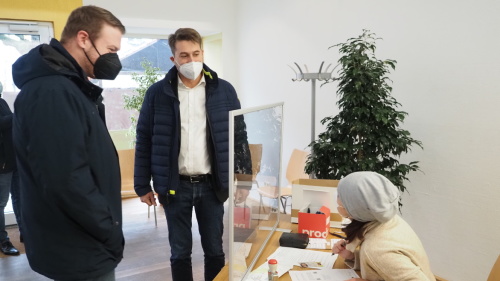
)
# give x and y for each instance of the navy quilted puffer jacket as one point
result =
(158, 135)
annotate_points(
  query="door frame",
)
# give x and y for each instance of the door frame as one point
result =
(46, 32)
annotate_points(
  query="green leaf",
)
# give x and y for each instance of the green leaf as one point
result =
(134, 102)
(365, 134)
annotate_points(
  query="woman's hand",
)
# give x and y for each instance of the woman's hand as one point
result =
(339, 248)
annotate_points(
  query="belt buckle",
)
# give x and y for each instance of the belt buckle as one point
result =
(194, 179)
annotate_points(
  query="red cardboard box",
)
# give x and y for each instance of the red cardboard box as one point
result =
(242, 217)
(315, 225)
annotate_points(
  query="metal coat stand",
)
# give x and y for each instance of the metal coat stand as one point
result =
(313, 76)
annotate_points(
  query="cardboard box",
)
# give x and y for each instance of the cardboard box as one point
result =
(305, 191)
(242, 217)
(316, 225)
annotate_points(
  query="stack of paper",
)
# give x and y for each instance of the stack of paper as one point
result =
(288, 257)
(323, 275)
(320, 243)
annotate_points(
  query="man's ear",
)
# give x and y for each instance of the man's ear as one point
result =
(172, 59)
(82, 38)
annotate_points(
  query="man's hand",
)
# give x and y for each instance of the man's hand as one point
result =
(149, 199)
(240, 195)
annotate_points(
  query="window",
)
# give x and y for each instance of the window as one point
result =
(133, 51)
(16, 39)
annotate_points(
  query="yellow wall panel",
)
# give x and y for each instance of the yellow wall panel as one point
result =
(55, 11)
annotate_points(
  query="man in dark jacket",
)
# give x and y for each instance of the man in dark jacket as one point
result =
(67, 163)
(182, 143)
(7, 166)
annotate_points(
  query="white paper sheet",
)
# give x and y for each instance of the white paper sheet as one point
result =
(242, 247)
(293, 256)
(320, 243)
(288, 257)
(323, 275)
(260, 273)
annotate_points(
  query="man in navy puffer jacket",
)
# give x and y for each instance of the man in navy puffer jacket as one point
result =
(182, 143)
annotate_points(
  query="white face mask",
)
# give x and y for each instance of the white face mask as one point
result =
(191, 70)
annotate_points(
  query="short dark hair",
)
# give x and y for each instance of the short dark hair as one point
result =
(184, 34)
(91, 19)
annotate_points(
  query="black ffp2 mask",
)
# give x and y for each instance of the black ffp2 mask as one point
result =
(106, 66)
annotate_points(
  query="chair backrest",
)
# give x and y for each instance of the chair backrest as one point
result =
(126, 158)
(296, 165)
(495, 271)
(256, 154)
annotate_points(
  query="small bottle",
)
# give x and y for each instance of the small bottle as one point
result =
(272, 273)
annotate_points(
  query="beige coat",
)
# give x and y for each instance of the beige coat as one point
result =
(391, 251)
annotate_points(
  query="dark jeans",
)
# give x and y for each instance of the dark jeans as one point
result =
(209, 213)
(15, 195)
(110, 276)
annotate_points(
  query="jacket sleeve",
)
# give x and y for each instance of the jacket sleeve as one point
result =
(5, 122)
(242, 157)
(395, 266)
(59, 126)
(5, 117)
(142, 168)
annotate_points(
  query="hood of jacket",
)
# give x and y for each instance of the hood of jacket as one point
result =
(51, 59)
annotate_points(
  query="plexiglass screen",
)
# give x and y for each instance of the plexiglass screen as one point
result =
(256, 159)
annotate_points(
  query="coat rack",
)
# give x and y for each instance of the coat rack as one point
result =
(313, 76)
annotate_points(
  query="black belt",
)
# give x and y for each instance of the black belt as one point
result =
(195, 178)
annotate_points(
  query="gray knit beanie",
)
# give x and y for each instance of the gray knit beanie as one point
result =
(368, 196)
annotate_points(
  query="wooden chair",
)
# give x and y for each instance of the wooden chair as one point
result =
(256, 155)
(154, 211)
(495, 271)
(126, 158)
(294, 170)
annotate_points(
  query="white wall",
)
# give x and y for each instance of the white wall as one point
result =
(446, 79)
(159, 18)
(448, 66)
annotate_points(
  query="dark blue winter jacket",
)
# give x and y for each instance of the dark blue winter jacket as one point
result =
(7, 155)
(158, 135)
(68, 168)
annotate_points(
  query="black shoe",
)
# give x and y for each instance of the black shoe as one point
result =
(8, 249)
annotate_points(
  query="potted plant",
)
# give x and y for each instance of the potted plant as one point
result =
(134, 102)
(365, 135)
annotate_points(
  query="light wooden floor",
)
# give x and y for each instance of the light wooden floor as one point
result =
(147, 253)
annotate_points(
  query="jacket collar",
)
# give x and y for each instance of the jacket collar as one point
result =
(211, 79)
(72, 70)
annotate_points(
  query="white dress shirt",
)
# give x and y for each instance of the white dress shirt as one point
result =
(193, 156)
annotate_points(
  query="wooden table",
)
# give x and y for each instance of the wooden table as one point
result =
(271, 247)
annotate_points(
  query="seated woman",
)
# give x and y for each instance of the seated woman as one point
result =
(379, 242)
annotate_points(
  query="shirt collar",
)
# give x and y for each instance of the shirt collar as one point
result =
(202, 82)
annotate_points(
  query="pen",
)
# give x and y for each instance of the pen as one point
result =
(343, 244)
(337, 235)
